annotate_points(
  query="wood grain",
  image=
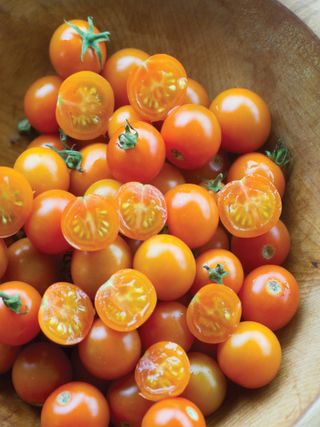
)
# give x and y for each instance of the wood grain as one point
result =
(307, 10)
(253, 43)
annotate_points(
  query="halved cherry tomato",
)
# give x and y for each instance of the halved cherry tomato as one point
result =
(50, 140)
(163, 371)
(120, 117)
(196, 94)
(85, 103)
(142, 210)
(8, 354)
(126, 300)
(214, 313)
(4, 258)
(15, 201)
(107, 188)
(66, 313)
(250, 206)
(169, 177)
(156, 86)
(220, 240)
(90, 223)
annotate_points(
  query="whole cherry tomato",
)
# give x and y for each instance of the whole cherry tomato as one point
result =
(205, 348)
(196, 94)
(75, 404)
(169, 177)
(251, 356)
(50, 140)
(220, 240)
(8, 354)
(107, 188)
(39, 369)
(219, 163)
(120, 117)
(4, 258)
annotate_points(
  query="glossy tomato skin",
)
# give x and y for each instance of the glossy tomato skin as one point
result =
(196, 94)
(169, 177)
(192, 136)
(117, 69)
(192, 214)
(161, 250)
(270, 248)
(107, 188)
(176, 412)
(127, 406)
(39, 369)
(40, 104)
(270, 296)
(167, 323)
(120, 117)
(244, 118)
(4, 258)
(100, 351)
(8, 354)
(219, 240)
(24, 325)
(75, 404)
(219, 163)
(43, 226)
(52, 140)
(251, 356)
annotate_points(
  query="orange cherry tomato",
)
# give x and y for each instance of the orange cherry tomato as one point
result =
(142, 210)
(219, 163)
(81, 373)
(156, 86)
(107, 188)
(44, 169)
(192, 136)
(270, 296)
(8, 354)
(4, 258)
(196, 94)
(192, 214)
(90, 223)
(250, 206)
(15, 201)
(251, 356)
(44, 140)
(218, 266)
(136, 152)
(244, 118)
(120, 117)
(163, 371)
(66, 313)
(117, 69)
(205, 348)
(169, 177)
(85, 103)
(40, 104)
(214, 313)
(220, 240)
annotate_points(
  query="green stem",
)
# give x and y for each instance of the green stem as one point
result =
(215, 185)
(24, 128)
(72, 158)
(216, 274)
(13, 302)
(280, 155)
(129, 138)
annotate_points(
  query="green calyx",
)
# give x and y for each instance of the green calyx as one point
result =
(90, 39)
(71, 157)
(129, 138)
(216, 274)
(280, 155)
(13, 302)
(24, 128)
(215, 185)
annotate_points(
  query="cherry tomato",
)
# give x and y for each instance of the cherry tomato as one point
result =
(207, 386)
(44, 140)
(133, 245)
(271, 247)
(219, 163)
(136, 152)
(250, 206)
(26, 263)
(167, 323)
(142, 210)
(43, 226)
(169, 177)
(156, 86)
(40, 104)
(85, 103)
(4, 258)
(66, 313)
(176, 278)
(270, 296)
(174, 413)
(220, 240)
(127, 406)
(192, 214)
(192, 136)
(78, 45)
(251, 356)
(39, 369)
(205, 348)
(120, 117)
(218, 266)
(163, 371)
(109, 354)
(90, 223)
(126, 300)
(8, 354)
(244, 118)
(117, 69)
(15, 201)
(196, 94)
(19, 305)
(90, 270)
(75, 404)
(44, 169)
(107, 188)
(214, 313)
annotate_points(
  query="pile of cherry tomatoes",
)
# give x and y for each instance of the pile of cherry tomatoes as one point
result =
(122, 299)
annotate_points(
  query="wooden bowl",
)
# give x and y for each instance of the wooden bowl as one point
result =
(223, 43)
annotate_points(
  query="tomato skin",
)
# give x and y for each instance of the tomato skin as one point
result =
(127, 406)
(219, 163)
(38, 370)
(117, 69)
(52, 140)
(43, 226)
(8, 354)
(251, 356)
(192, 136)
(169, 177)
(220, 240)
(75, 404)
(141, 163)
(99, 351)
(23, 327)
(176, 412)
(107, 188)
(4, 258)
(120, 117)
(192, 214)
(176, 279)
(196, 94)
